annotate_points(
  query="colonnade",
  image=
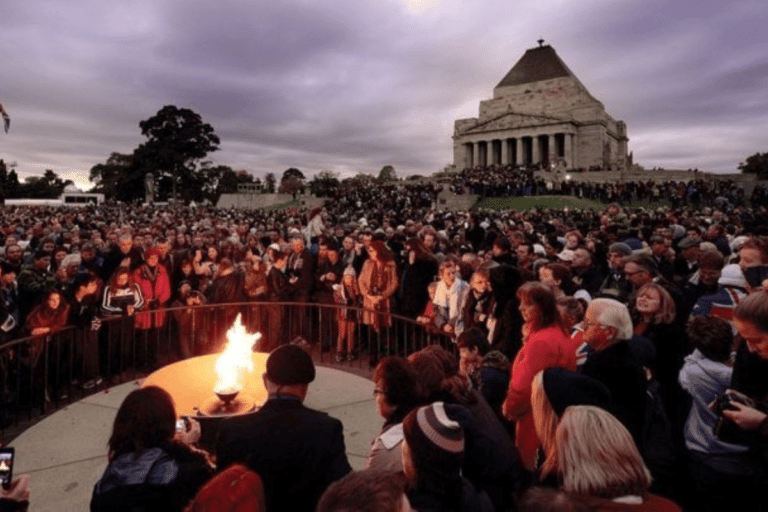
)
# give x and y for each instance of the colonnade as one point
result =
(525, 150)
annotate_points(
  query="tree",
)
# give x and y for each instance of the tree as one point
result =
(118, 178)
(359, 180)
(291, 185)
(269, 182)
(49, 186)
(9, 181)
(177, 140)
(324, 184)
(293, 173)
(387, 173)
(756, 164)
(216, 181)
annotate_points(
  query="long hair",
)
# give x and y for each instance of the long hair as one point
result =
(542, 297)
(597, 456)
(545, 421)
(416, 245)
(667, 310)
(383, 253)
(146, 419)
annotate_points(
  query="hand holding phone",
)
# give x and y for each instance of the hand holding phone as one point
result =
(7, 455)
(18, 490)
(191, 430)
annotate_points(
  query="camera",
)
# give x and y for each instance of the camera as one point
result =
(725, 429)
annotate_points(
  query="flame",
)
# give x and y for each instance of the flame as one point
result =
(236, 358)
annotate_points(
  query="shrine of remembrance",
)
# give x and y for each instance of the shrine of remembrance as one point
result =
(541, 115)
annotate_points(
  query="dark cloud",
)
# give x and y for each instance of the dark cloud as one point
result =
(352, 86)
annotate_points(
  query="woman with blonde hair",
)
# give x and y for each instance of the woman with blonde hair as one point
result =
(596, 460)
(553, 391)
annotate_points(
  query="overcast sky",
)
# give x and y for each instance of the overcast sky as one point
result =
(352, 85)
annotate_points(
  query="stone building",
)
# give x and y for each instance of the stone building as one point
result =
(541, 114)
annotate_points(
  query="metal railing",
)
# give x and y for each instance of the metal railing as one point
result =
(40, 374)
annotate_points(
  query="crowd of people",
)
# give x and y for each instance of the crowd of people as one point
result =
(583, 339)
(519, 180)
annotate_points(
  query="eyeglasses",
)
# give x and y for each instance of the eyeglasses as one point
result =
(377, 392)
(588, 323)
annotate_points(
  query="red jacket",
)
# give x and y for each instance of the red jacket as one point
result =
(156, 292)
(546, 348)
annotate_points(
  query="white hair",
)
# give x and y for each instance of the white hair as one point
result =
(613, 313)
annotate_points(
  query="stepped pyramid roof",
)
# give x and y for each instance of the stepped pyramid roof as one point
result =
(537, 64)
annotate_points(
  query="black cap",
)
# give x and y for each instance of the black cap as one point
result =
(290, 364)
(565, 388)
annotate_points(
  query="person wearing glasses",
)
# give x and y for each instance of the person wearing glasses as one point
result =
(607, 356)
(397, 393)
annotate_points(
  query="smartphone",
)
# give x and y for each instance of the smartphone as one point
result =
(6, 466)
(182, 424)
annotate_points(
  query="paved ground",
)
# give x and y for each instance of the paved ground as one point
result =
(65, 454)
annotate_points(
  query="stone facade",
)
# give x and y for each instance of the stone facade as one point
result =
(541, 114)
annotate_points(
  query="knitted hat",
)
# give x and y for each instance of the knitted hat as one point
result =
(290, 364)
(732, 276)
(430, 430)
(620, 248)
(565, 388)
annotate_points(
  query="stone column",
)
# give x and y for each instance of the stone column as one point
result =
(552, 148)
(535, 153)
(489, 152)
(519, 152)
(504, 151)
(476, 154)
(568, 147)
(467, 155)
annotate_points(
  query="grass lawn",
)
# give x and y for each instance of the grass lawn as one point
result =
(555, 202)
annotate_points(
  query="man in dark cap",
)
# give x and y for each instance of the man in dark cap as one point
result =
(616, 283)
(686, 262)
(298, 452)
(33, 281)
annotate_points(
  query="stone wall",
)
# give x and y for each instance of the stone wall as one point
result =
(553, 107)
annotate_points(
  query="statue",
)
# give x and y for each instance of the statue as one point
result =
(149, 188)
